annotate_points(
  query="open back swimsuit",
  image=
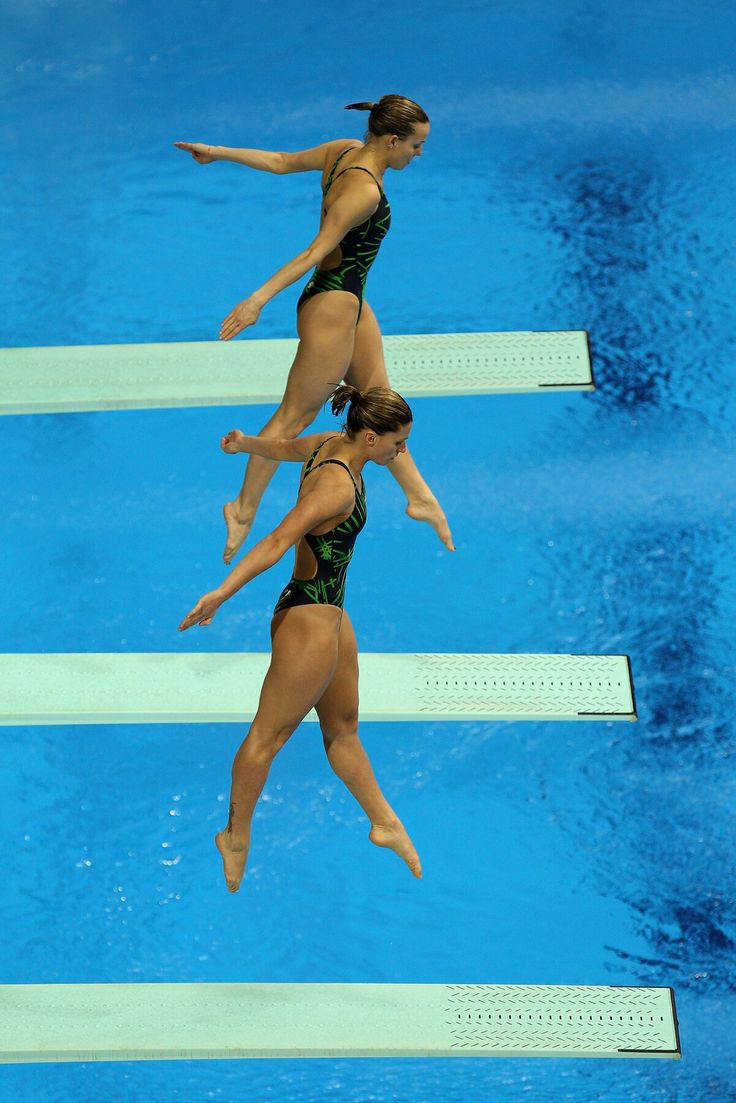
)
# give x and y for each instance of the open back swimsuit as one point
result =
(359, 247)
(333, 551)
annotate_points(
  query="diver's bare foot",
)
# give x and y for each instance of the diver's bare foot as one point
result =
(429, 510)
(238, 527)
(234, 857)
(394, 836)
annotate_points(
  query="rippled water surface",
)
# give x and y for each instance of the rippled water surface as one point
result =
(579, 174)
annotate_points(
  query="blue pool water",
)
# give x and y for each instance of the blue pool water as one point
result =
(579, 174)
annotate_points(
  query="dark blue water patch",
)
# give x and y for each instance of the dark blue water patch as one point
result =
(648, 276)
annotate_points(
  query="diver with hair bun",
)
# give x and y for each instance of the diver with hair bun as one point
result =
(314, 659)
(339, 336)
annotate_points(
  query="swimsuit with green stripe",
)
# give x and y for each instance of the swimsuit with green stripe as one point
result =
(359, 247)
(333, 551)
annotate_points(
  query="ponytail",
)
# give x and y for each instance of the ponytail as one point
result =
(341, 396)
(392, 115)
(379, 409)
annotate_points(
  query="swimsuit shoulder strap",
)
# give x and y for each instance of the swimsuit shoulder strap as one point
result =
(361, 169)
(334, 166)
(340, 464)
(309, 468)
(310, 461)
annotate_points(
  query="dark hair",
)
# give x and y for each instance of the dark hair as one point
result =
(392, 115)
(378, 409)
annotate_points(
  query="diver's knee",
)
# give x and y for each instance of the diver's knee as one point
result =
(293, 419)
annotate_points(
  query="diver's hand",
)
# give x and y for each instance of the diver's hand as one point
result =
(240, 317)
(203, 611)
(231, 442)
(201, 153)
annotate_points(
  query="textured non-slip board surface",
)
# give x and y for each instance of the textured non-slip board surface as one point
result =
(214, 373)
(169, 688)
(139, 1022)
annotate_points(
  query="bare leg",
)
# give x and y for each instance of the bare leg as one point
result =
(337, 709)
(368, 369)
(326, 328)
(304, 653)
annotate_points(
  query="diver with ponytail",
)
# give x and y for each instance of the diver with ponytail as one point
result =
(339, 335)
(314, 661)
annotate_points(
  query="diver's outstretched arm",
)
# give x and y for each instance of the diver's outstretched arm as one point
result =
(297, 449)
(305, 160)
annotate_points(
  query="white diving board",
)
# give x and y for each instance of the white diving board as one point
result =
(70, 378)
(165, 1022)
(224, 687)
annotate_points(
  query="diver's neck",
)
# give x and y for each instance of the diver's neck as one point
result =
(352, 453)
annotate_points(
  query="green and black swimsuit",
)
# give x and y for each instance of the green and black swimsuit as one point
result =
(359, 247)
(333, 551)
